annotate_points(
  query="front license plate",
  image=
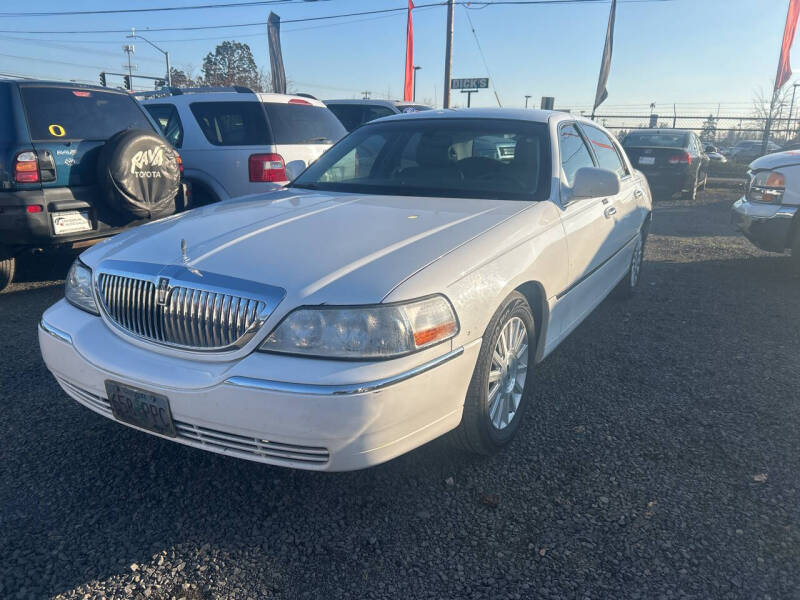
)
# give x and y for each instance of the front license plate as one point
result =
(71, 221)
(647, 160)
(140, 408)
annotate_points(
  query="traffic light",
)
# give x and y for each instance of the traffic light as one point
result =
(128, 85)
(103, 78)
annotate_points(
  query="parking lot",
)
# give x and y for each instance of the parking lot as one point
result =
(660, 460)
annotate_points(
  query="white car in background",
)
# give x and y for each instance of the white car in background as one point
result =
(365, 311)
(235, 142)
(767, 214)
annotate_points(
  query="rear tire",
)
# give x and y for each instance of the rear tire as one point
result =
(499, 391)
(691, 193)
(7, 268)
(627, 287)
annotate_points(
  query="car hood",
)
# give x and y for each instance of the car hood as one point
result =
(320, 247)
(778, 159)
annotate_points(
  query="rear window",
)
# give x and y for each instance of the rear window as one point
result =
(663, 140)
(232, 123)
(348, 114)
(303, 124)
(79, 114)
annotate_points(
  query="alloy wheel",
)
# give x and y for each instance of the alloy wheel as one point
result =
(507, 373)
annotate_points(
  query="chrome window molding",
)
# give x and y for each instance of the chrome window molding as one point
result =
(310, 389)
(177, 302)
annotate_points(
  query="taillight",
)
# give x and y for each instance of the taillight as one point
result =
(26, 168)
(300, 101)
(683, 158)
(179, 160)
(267, 167)
(34, 208)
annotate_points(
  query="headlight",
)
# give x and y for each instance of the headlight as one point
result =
(364, 332)
(766, 186)
(79, 287)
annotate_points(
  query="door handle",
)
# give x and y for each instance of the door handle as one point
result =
(609, 212)
(638, 194)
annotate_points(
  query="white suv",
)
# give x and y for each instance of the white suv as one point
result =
(234, 141)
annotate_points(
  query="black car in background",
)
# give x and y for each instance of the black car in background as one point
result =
(354, 113)
(673, 160)
(78, 163)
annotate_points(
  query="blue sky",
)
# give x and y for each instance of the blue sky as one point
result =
(696, 53)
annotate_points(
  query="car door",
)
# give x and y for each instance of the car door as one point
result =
(589, 228)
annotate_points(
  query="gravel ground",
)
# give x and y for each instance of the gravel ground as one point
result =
(661, 460)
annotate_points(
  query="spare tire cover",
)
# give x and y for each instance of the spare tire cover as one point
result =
(138, 174)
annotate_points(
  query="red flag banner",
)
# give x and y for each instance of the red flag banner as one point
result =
(784, 68)
(408, 90)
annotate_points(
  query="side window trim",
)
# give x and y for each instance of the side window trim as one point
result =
(562, 200)
(613, 145)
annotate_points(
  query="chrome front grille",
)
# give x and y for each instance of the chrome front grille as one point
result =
(179, 315)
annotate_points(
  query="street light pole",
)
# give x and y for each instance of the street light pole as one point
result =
(164, 52)
(414, 92)
(448, 54)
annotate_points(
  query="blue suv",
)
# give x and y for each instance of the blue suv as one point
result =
(78, 163)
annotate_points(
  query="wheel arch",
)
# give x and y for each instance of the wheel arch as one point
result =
(537, 299)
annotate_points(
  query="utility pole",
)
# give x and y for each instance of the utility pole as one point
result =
(527, 97)
(448, 54)
(414, 90)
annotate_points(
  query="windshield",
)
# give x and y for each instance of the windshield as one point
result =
(456, 158)
(663, 140)
(62, 113)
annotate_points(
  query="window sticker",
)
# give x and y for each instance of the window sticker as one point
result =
(56, 130)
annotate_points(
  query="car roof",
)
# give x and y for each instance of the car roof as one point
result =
(668, 130)
(229, 95)
(361, 102)
(64, 84)
(517, 114)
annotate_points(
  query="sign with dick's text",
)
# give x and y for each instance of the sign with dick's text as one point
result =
(474, 83)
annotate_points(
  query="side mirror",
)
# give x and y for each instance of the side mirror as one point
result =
(591, 182)
(294, 168)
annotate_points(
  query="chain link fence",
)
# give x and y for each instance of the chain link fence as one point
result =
(722, 132)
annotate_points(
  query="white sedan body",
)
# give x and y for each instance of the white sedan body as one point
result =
(301, 247)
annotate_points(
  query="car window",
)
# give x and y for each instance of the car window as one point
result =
(444, 158)
(303, 124)
(348, 114)
(232, 123)
(574, 153)
(166, 115)
(376, 112)
(63, 113)
(641, 139)
(605, 151)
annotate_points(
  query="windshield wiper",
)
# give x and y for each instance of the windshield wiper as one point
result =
(316, 139)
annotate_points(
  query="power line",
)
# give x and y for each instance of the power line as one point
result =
(321, 18)
(483, 57)
(115, 11)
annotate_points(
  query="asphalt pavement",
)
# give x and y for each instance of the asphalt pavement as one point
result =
(660, 459)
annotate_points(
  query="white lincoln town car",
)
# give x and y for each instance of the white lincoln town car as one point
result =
(404, 286)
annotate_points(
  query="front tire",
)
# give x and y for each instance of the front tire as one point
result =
(499, 391)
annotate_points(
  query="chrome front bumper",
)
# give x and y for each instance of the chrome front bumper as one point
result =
(768, 226)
